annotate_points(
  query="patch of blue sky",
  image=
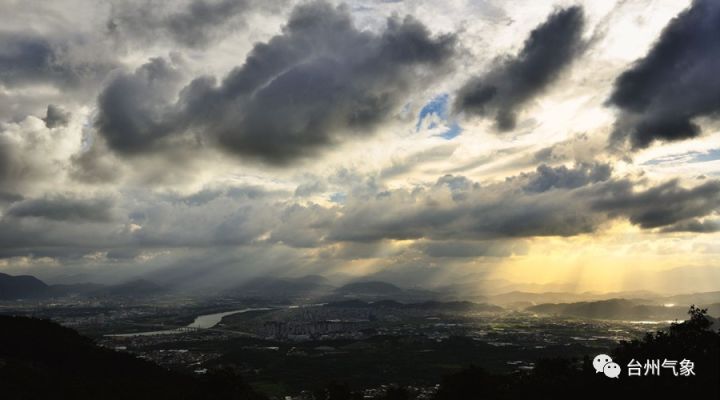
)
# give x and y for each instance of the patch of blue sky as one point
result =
(437, 111)
(437, 106)
(670, 159)
(453, 131)
(710, 155)
(338, 198)
(690, 157)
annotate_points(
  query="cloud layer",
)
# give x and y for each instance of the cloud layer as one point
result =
(662, 94)
(515, 80)
(319, 81)
(193, 25)
(216, 140)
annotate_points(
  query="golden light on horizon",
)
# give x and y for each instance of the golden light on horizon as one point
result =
(620, 258)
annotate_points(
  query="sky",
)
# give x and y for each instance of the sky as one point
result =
(485, 145)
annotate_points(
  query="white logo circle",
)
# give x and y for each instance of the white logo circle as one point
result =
(599, 362)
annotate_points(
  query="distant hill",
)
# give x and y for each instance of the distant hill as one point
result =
(369, 288)
(21, 287)
(694, 298)
(517, 297)
(29, 287)
(459, 306)
(456, 306)
(357, 304)
(40, 359)
(616, 309)
(310, 285)
(137, 287)
(520, 299)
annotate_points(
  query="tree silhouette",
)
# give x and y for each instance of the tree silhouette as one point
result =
(692, 340)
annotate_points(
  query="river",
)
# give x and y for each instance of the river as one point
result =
(206, 321)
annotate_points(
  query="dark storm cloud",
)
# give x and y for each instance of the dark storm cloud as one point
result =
(205, 196)
(67, 226)
(661, 94)
(662, 205)
(73, 64)
(320, 80)
(457, 208)
(27, 59)
(61, 208)
(583, 199)
(56, 117)
(454, 218)
(132, 107)
(562, 177)
(8, 198)
(514, 80)
(695, 226)
(194, 24)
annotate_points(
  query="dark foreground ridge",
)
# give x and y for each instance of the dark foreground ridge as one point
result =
(40, 359)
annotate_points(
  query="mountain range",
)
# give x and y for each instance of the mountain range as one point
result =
(637, 305)
(21, 287)
(620, 309)
(29, 287)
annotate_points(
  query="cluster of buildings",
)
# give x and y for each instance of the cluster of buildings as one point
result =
(310, 330)
(414, 392)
